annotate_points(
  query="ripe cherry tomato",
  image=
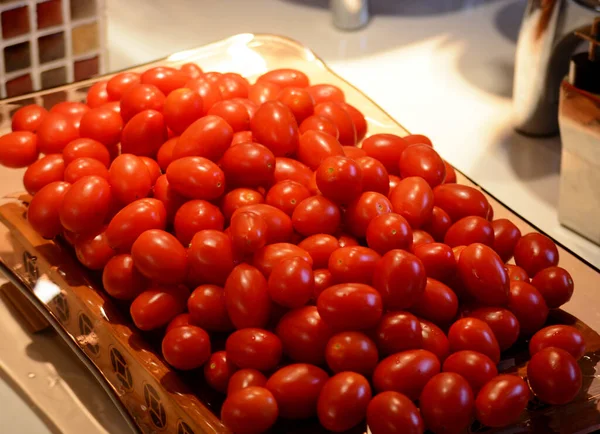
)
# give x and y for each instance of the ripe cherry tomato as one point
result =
(129, 178)
(153, 168)
(469, 230)
(195, 216)
(353, 152)
(144, 133)
(191, 70)
(269, 256)
(196, 178)
(319, 123)
(434, 340)
(438, 260)
(165, 78)
(81, 167)
(242, 137)
(97, 95)
(254, 348)
(291, 283)
(208, 91)
(247, 297)
(460, 201)
(446, 403)
(350, 306)
(246, 378)
(374, 175)
(54, 133)
(183, 319)
(288, 168)
(438, 225)
(316, 214)
(393, 413)
(207, 308)
(319, 247)
(450, 174)
(353, 264)
(418, 139)
(422, 161)
(275, 127)
(73, 110)
(351, 351)
(420, 238)
(325, 92)
(483, 274)
(169, 197)
(358, 119)
(248, 165)
(386, 148)
(554, 376)
(560, 336)
(323, 280)
(504, 324)
(218, 371)
(502, 401)
(339, 179)
(164, 156)
(211, 257)
(86, 148)
(398, 331)
(506, 236)
(387, 232)
(234, 113)
(343, 401)
(261, 92)
(93, 250)
(279, 224)
(159, 256)
(43, 211)
(296, 389)
(341, 118)
(285, 77)
(248, 232)
(413, 199)
(42, 172)
(286, 195)
(437, 303)
(28, 118)
(476, 368)
(85, 205)
(316, 146)
(120, 83)
(406, 372)
(516, 273)
(299, 101)
(364, 209)
(528, 305)
(103, 125)
(156, 306)
(140, 97)
(18, 149)
(555, 284)
(251, 410)
(475, 335)
(121, 279)
(186, 347)
(238, 198)
(208, 137)
(304, 335)
(232, 85)
(400, 279)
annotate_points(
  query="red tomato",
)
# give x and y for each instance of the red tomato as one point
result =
(475, 335)
(483, 274)
(81, 167)
(389, 231)
(195, 216)
(350, 306)
(554, 376)
(274, 126)
(208, 137)
(129, 178)
(144, 134)
(251, 410)
(502, 401)
(291, 283)
(353, 152)
(208, 91)
(248, 165)
(169, 197)
(460, 201)
(503, 323)
(438, 260)
(420, 238)
(121, 279)
(413, 199)
(304, 335)
(285, 77)
(247, 297)
(186, 347)
(191, 70)
(506, 236)
(296, 389)
(438, 225)
(234, 113)
(279, 224)
(117, 85)
(437, 303)
(97, 94)
(476, 368)
(233, 85)
(71, 109)
(393, 413)
(363, 210)
(351, 351)
(386, 148)
(28, 118)
(446, 403)
(315, 146)
(325, 92)
(418, 139)
(261, 92)
(86, 148)
(422, 161)
(218, 371)
(528, 305)
(54, 133)
(269, 256)
(400, 279)
(469, 230)
(50, 168)
(103, 125)
(343, 401)
(164, 156)
(560, 336)
(43, 212)
(207, 308)
(165, 78)
(238, 198)
(339, 179)
(406, 372)
(398, 331)
(85, 205)
(450, 174)
(341, 118)
(358, 119)
(516, 273)
(290, 169)
(254, 348)
(374, 175)
(315, 215)
(196, 178)
(319, 123)
(248, 232)
(93, 251)
(210, 256)
(319, 247)
(153, 168)
(183, 319)
(434, 340)
(242, 137)
(156, 306)
(299, 101)
(286, 195)
(140, 97)
(246, 378)
(555, 284)
(394, 181)
(159, 256)
(353, 264)
(323, 280)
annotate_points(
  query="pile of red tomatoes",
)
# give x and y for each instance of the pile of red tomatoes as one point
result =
(303, 269)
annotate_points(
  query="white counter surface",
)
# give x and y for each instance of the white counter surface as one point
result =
(440, 67)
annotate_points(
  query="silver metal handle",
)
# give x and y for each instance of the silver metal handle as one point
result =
(349, 14)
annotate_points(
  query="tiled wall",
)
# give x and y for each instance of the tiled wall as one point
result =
(46, 43)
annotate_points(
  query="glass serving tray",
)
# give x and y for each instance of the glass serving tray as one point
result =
(153, 397)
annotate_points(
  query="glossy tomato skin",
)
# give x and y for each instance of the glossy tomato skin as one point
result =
(506, 236)
(555, 284)
(437, 303)
(423, 161)
(323, 280)
(97, 94)
(420, 237)
(475, 335)
(438, 225)
(387, 232)
(316, 214)
(393, 413)
(400, 278)
(413, 199)
(268, 257)
(182, 108)
(252, 410)
(503, 323)
(299, 101)
(196, 178)
(43, 212)
(418, 139)
(19, 149)
(238, 198)
(319, 123)
(144, 134)
(49, 168)
(339, 179)
(261, 92)
(351, 351)
(169, 197)
(534, 252)
(450, 173)
(195, 216)
(156, 306)
(460, 201)
(528, 305)
(353, 152)
(476, 368)
(438, 260)
(353, 264)
(103, 125)
(517, 273)
(279, 224)
(341, 118)
(325, 92)
(554, 376)
(374, 175)
(165, 78)
(140, 97)
(89, 148)
(121, 279)
(116, 86)
(247, 297)
(244, 378)
(290, 169)
(296, 389)
(364, 209)
(218, 371)
(386, 148)
(183, 319)
(434, 340)
(86, 204)
(560, 336)
(208, 137)
(469, 230)
(248, 232)
(304, 335)
(358, 119)
(286, 195)
(483, 274)
(446, 403)
(208, 309)
(129, 178)
(254, 348)
(275, 127)
(186, 347)
(343, 401)
(502, 401)
(291, 283)
(316, 146)
(398, 331)
(319, 247)
(350, 306)
(285, 77)
(164, 155)
(53, 134)
(132, 220)
(248, 165)
(406, 372)
(159, 256)
(93, 250)
(28, 118)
